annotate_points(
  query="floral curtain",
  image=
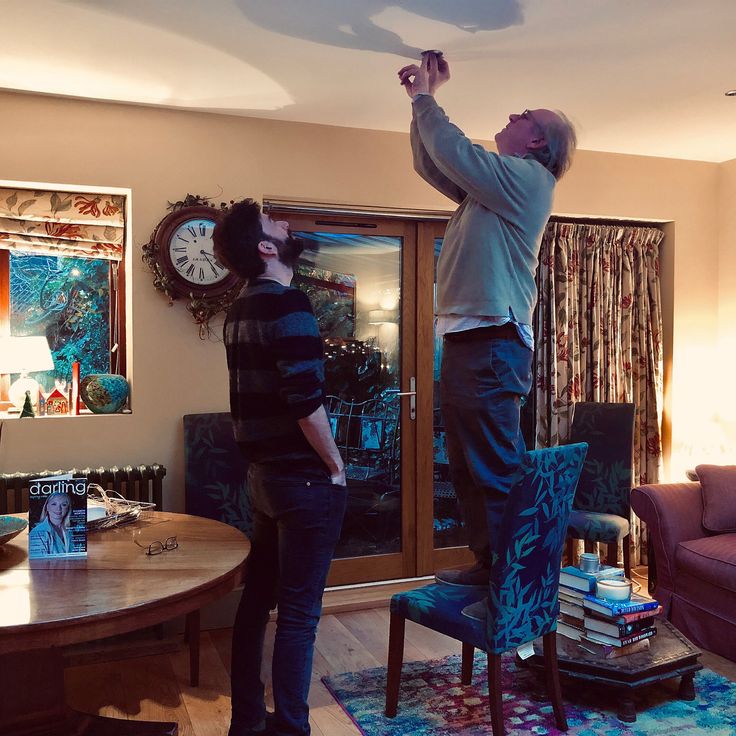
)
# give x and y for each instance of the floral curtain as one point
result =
(62, 223)
(599, 335)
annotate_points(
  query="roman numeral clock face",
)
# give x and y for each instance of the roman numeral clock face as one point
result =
(181, 256)
(191, 253)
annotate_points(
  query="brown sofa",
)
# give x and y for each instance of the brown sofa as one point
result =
(694, 571)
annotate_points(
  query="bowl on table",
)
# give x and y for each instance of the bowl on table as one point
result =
(10, 526)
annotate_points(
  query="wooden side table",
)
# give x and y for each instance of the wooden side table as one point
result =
(670, 655)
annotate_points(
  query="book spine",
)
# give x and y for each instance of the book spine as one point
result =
(629, 618)
(609, 608)
(640, 646)
(633, 627)
(635, 608)
(646, 634)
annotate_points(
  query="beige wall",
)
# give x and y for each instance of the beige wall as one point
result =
(161, 155)
(725, 359)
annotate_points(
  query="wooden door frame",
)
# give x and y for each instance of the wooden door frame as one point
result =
(401, 564)
(429, 559)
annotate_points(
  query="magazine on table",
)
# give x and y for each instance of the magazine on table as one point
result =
(57, 517)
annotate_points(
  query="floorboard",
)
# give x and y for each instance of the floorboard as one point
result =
(157, 687)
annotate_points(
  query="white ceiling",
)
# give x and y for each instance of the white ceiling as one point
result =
(636, 76)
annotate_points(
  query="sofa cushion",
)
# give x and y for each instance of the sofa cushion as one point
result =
(719, 497)
(710, 559)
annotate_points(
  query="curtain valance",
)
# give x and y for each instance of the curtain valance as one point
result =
(75, 224)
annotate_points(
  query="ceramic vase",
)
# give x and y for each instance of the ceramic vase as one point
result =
(104, 393)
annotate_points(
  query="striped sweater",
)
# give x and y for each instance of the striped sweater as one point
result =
(276, 367)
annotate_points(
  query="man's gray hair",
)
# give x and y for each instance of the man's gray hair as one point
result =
(561, 143)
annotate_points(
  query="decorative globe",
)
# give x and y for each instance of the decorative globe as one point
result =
(104, 393)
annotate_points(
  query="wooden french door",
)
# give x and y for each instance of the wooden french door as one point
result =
(371, 283)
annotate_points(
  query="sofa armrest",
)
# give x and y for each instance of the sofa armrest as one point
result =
(673, 513)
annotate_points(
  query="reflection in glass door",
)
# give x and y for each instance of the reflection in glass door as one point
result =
(353, 281)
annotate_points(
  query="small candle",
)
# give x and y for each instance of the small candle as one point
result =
(613, 590)
(589, 562)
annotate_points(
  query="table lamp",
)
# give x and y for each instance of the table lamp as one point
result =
(24, 355)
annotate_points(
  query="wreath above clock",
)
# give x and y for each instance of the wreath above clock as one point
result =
(180, 254)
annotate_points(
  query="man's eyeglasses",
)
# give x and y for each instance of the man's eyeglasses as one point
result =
(156, 548)
(527, 115)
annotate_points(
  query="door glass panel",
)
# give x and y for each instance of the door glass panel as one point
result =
(448, 525)
(353, 281)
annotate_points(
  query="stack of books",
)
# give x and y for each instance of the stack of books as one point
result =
(618, 628)
(574, 586)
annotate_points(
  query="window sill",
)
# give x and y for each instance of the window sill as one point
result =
(84, 413)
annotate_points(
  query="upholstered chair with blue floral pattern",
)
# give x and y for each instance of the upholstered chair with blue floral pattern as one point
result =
(215, 480)
(601, 510)
(523, 584)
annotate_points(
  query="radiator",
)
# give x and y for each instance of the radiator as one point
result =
(137, 482)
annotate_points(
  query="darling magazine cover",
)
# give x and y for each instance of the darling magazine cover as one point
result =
(57, 517)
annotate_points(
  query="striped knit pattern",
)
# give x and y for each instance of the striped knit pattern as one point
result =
(275, 362)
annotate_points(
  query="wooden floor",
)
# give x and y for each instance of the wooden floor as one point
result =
(157, 687)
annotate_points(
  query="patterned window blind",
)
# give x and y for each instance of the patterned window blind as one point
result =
(73, 224)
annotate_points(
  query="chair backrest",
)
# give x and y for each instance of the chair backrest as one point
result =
(605, 483)
(525, 572)
(215, 481)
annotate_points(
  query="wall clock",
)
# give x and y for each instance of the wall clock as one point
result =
(180, 254)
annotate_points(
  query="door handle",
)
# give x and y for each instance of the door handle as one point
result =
(412, 393)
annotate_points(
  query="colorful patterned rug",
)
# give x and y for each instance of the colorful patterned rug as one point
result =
(433, 702)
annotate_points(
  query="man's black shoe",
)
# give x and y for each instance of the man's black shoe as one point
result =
(478, 611)
(265, 729)
(475, 576)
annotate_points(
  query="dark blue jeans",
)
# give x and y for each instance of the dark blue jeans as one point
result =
(484, 375)
(297, 520)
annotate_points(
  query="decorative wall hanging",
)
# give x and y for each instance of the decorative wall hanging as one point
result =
(180, 255)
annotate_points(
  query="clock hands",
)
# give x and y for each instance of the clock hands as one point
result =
(213, 265)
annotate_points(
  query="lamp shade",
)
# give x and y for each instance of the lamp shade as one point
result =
(25, 355)
(383, 316)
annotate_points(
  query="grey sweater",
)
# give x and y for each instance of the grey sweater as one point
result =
(489, 255)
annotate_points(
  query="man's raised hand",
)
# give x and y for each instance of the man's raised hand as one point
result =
(433, 72)
(439, 71)
(408, 77)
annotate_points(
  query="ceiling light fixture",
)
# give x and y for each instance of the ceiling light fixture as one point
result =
(731, 93)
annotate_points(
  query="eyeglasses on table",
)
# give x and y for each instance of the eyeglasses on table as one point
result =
(156, 548)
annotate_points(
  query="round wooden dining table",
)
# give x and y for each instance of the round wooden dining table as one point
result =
(46, 604)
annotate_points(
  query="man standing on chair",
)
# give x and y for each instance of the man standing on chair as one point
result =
(296, 477)
(486, 290)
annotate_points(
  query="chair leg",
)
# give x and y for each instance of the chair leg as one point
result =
(612, 554)
(627, 556)
(552, 674)
(191, 634)
(570, 551)
(395, 661)
(495, 696)
(466, 676)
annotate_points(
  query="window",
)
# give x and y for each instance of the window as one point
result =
(62, 277)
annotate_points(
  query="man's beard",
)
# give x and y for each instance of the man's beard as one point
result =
(289, 250)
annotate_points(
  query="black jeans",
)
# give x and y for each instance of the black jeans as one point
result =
(485, 372)
(297, 520)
